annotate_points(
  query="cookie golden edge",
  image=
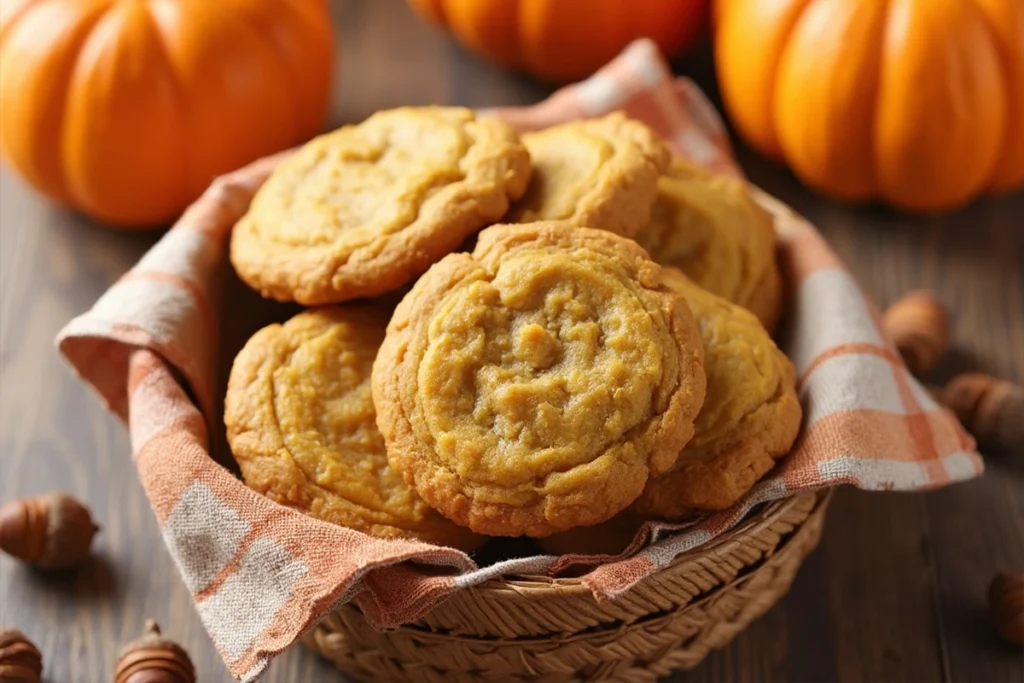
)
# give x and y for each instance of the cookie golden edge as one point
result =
(767, 300)
(716, 482)
(722, 479)
(267, 466)
(762, 296)
(717, 475)
(392, 378)
(489, 191)
(689, 490)
(767, 297)
(625, 206)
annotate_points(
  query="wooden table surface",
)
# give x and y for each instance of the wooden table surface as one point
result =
(895, 592)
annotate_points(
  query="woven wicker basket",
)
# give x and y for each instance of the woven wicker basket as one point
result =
(539, 629)
(532, 628)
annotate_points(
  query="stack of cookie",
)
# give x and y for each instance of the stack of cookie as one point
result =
(585, 340)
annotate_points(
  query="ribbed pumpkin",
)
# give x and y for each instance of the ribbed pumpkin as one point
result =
(919, 103)
(564, 40)
(127, 109)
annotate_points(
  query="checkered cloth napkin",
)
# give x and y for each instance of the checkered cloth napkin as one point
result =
(262, 574)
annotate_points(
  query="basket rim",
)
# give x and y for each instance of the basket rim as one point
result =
(758, 519)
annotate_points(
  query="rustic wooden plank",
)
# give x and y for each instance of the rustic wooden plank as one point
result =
(978, 528)
(389, 58)
(54, 435)
(973, 259)
(896, 591)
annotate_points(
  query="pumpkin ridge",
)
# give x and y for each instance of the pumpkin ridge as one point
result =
(10, 18)
(158, 33)
(786, 36)
(1001, 178)
(84, 29)
(767, 139)
(914, 170)
(293, 85)
(313, 21)
(306, 123)
(126, 109)
(179, 93)
(876, 92)
(911, 103)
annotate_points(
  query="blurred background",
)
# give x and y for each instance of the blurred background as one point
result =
(896, 127)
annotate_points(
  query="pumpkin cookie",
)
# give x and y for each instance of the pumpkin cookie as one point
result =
(300, 422)
(750, 418)
(365, 209)
(601, 173)
(709, 227)
(535, 384)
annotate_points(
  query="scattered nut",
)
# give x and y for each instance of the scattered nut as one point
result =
(918, 325)
(154, 659)
(20, 660)
(990, 408)
(1006, 603)
(51, 532)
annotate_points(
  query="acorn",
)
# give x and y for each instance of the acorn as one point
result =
(990, 408)
(154, 659)
(51, 532)
(918, 325)
(1006, 605)
(20, 660)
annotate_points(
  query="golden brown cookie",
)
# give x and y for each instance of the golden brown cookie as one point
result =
(750, 418)
(709, 227)
(366, 208)
(535, 384)
(601, 173)
(301, 424)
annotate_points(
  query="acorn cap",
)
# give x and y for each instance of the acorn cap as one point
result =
(20, 659)
(51, 532)
(153, 658)
(23, 529)
(69, 532)
(1006, 604)
(990, 408)
(918, 325)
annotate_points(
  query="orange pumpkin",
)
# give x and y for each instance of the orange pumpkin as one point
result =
(564, 40)
(916, 102)
(127, 109)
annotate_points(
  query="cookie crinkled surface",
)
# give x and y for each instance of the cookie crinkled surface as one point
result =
(750, 419)
(301, 424)
(710, 227)
(535, 384)
(600, 173)
(365, 209)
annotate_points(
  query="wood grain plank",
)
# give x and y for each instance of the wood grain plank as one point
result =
(895, 592)
(973, 259)
(390, 58)
(54, 435)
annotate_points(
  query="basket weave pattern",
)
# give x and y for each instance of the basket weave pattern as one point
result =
(540, 629)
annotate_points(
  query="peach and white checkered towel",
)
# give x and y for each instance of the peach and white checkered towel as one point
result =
(262, 574)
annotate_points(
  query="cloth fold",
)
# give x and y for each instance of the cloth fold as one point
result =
(262, 574)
